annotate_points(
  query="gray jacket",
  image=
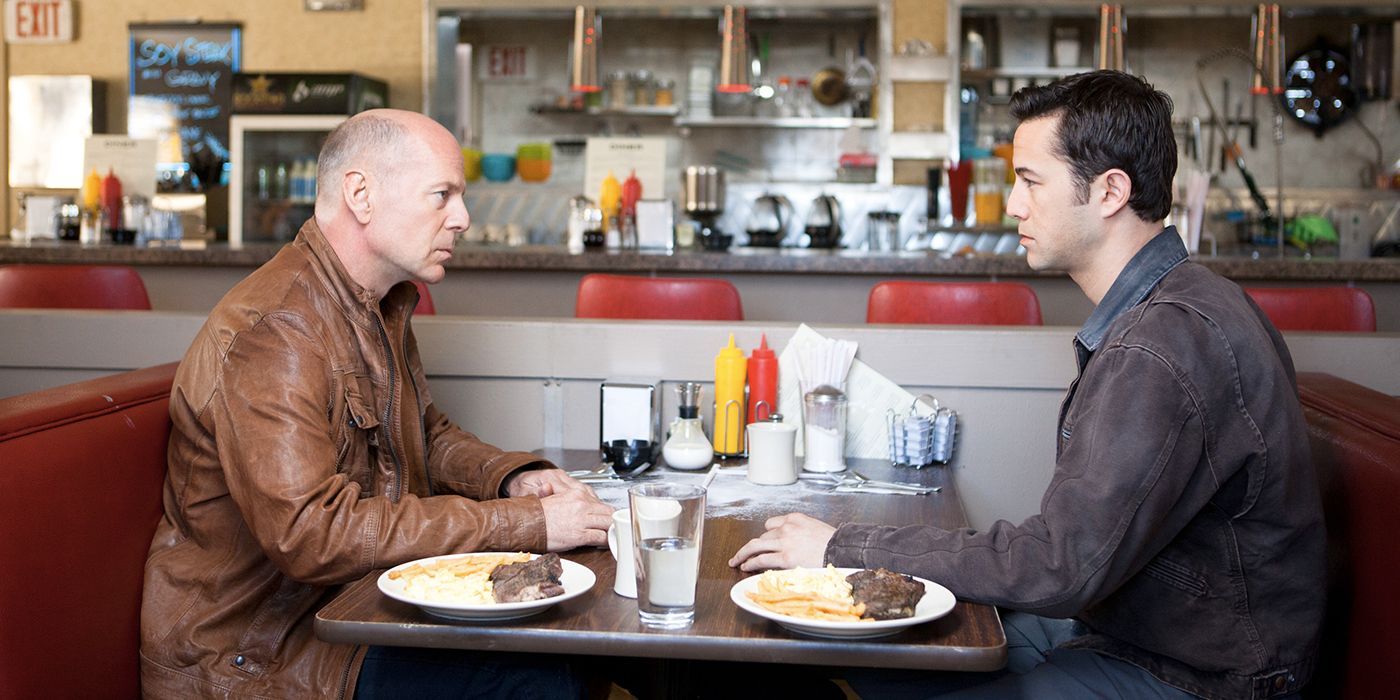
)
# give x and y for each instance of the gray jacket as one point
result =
(1183, 524)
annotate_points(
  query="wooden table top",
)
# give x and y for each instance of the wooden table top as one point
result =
(600, 622)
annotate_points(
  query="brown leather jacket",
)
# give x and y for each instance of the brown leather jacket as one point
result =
(306, 453)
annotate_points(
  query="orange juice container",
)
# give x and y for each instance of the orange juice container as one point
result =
(731, 369)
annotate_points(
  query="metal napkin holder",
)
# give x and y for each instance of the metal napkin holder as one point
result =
(919, 440)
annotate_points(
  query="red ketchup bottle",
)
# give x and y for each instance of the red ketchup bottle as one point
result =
(763, 382)
(112, 201)
(631, 192)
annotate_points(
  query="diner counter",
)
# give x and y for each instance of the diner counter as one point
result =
(737, 260)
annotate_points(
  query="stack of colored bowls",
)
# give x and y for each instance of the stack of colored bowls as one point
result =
(471, 164)
(533, 161)
(498, 167)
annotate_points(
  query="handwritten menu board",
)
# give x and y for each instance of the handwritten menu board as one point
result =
(181, 94)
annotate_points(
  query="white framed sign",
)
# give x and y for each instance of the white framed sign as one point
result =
(38, 21)
(132, 160)
(622, 156)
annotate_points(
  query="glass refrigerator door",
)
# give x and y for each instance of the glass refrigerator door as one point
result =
(273, 177)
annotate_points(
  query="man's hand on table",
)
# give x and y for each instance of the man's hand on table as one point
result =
(543, 482)
(573, 515)
(791, 541)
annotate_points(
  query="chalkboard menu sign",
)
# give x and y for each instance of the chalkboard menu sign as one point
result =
(181, 95)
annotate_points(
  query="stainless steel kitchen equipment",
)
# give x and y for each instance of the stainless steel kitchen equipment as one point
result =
(702, 199)
(702, 191)
(823, 223)
(882, 231)
(769, 220)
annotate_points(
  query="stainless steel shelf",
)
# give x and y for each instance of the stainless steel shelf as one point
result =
(777, 122)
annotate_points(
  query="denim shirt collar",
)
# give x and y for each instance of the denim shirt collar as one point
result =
(1161, 254)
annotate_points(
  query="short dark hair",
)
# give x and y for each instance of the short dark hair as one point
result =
(1110, 119)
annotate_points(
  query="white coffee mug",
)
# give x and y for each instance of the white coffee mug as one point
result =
(771, 447)
(620, 544)
(658, 518)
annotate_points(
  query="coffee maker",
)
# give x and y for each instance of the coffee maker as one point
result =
(823, 223)
(702, 199)
(768, 221)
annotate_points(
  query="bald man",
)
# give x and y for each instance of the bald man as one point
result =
(307, 451)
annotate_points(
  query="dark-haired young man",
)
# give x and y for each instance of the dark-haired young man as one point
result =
(1182, 528)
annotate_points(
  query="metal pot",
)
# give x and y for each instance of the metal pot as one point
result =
(769, 220)
(702, 190)
(823, 225)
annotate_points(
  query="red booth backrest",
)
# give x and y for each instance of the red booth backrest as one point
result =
(658, 298)
(425, 300)
(1317, 308)
(81, 471)
(72, 287)
(954, 303)
(1355, 435)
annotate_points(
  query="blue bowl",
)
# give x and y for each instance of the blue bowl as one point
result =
(498, 167)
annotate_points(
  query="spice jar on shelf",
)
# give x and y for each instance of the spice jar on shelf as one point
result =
(665, 93)
(619, 90)
(643, 88)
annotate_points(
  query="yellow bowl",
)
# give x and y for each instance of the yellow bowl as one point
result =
(471, 164)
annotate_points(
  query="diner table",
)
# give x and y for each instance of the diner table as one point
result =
(600, 622)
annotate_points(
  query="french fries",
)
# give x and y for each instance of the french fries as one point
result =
(817, 595)
(465, 580)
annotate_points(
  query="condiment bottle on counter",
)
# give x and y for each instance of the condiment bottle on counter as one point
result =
(763, 382)
(92, 191)
(112, 201)
(609, 198)
(730, 371)
(631, 192)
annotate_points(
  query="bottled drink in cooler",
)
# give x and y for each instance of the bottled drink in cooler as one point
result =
(280, 185)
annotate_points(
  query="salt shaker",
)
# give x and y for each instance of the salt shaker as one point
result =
(824, 429)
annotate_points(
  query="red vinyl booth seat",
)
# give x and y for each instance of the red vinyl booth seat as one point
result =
(425, 300)
(72, 287)
(1355, 436)
(659, 298)
(81, 472)
(954, 303)
(1317, 308)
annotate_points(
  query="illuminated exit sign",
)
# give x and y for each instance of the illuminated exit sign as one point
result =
(38, 21)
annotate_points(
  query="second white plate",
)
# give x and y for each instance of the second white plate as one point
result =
(937, 602)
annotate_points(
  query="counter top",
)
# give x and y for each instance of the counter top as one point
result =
(737, 260)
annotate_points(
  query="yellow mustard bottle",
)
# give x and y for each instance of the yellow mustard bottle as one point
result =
(91, 194)
(731, 369)
(609, 199)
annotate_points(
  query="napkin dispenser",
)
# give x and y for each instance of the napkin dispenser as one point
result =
(630, 409)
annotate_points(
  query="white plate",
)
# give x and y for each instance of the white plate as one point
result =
(936, 603)
(577, 579)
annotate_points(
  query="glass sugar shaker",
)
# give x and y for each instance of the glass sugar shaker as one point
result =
(824, 429)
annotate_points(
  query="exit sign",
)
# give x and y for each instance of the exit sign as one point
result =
(507, 62)
(38, 21)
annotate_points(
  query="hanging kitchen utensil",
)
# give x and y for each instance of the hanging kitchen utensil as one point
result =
(1318, 90)
(829, 86)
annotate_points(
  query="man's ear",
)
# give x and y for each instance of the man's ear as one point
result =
(1113, 189)
(354, 187)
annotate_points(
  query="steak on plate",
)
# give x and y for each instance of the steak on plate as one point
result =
(530, 580)
(886, 594)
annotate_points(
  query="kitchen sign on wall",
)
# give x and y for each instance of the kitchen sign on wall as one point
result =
(38, 21)
(504, 63)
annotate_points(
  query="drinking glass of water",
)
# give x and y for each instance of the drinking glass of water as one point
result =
(667, 523)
